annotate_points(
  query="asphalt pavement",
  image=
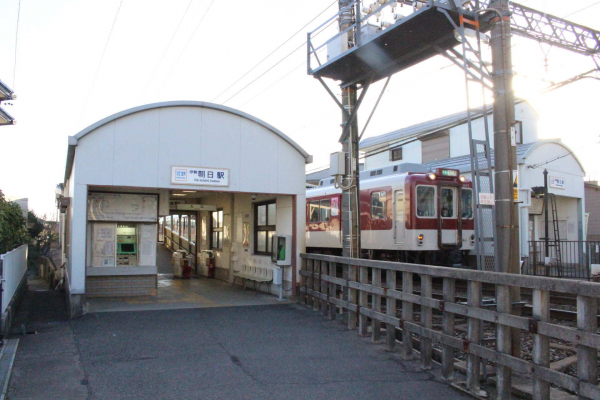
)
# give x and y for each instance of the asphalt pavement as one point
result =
(283, 351)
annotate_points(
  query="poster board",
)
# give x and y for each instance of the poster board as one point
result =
(147, 245)
(122, 207)
(103, 245)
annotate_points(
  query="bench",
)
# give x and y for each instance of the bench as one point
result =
(258, 275)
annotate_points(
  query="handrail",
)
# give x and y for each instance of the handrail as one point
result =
(358, 288)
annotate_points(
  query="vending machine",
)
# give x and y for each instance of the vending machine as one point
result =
(127, 245)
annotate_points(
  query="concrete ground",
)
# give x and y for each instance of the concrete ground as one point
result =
(282, 351)
(175, 293)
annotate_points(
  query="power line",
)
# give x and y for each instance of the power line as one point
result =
(102, 58)
(271, 53)
(190, 39)
(168, 46)
(273, 84)
(16, 43)
(578, 11)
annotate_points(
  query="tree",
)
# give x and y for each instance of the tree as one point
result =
(13, 229)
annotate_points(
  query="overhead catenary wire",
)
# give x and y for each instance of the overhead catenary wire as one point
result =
(273, 84)
(271, 53)
(16, 45)
(102, 57)
(583, 9)
(168, 46)
(189, 40)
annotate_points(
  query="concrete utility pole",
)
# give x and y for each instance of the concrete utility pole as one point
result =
(350, 197)
(505, 165)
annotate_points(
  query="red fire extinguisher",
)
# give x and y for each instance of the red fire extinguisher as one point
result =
(186, 270)
(210, 265)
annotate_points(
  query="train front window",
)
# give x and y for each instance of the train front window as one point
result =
(313, 211)
(447, 202)
(325, 210)
(425, 201)
(378, 201)
(467, 203)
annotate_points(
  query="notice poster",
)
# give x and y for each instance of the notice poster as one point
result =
(104, 244)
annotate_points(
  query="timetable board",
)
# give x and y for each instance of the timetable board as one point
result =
(122, 207)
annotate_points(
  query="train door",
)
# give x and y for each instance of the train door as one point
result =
(400, 227)
(448, 216)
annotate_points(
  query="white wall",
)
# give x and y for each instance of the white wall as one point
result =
(138, 150)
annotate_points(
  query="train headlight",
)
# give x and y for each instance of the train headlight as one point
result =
(420, 239)
(462, 179)
(431, 176)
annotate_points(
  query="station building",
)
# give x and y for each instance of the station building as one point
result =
(183, 175)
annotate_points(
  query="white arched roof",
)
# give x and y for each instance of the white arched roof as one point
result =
(187, 103)
(530, 150)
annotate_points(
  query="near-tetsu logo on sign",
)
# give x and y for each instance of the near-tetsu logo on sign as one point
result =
(180, 174)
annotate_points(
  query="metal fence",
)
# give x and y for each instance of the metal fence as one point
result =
(14, 267)
(373, 295)
(563, 259)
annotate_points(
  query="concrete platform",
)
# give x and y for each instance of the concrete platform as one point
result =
(175, 293)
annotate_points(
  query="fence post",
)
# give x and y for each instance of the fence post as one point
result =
(332, 291)
(541, 343)
(473, 335)
(324, 286)
(503, 343)
(587, 357)
(310, 267)
(375, 324)
(352, 296)
(390, 306)
(426, 321)
(449, 290)
(303, 295)
(407, 316)
(363, 301)
(316, 284)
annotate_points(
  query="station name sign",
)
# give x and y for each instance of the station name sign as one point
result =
(201, 176)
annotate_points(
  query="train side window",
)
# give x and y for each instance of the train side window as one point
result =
(378, 205)
(447, 200)
(313, 211)
(467, 203)
(325, 210)
(426, 201)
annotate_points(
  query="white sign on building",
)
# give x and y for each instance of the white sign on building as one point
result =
(199, 176)
(557, 183)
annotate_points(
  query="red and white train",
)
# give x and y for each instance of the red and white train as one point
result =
(407, 214)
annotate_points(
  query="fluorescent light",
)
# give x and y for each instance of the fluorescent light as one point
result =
(188, 191)
(178, 194)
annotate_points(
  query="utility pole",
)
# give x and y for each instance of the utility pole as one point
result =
(350, 187)
(505, 165)
(350, 196)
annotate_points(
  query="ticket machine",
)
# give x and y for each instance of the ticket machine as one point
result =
(127, 249)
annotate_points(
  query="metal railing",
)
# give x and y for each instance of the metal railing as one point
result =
(562, 259)
(383, 294)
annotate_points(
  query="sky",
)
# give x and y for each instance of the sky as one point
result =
(77, 62)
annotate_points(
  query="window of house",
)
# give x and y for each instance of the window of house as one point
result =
(185, 224)
(378, 205)
(216, 229)
(325, 205)
(447, 202)
(265, 216)
(313, 211)
(176, 224)
(467, 203)
(519, 132)
(193, 229)
(161, 227)
(396, 154)
(425, 201)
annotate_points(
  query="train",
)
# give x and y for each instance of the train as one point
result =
(408, 213)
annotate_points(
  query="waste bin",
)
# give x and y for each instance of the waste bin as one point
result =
(209, 262)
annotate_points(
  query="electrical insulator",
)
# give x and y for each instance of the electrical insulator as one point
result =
(385, 24)
(366, 10)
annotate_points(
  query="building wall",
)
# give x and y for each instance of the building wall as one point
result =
(138, 150)
(592, 206)
(459, 139)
